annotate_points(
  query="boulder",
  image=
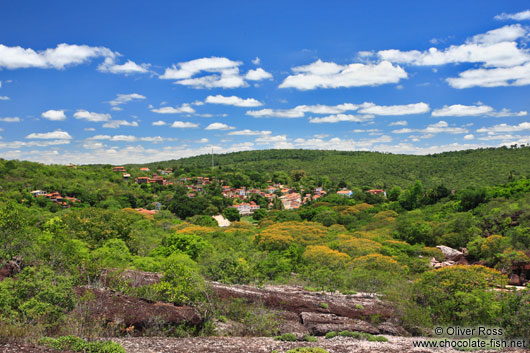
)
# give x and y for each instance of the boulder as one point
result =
(450, 253)
(320, 324)
(111, 307)
(515, 280)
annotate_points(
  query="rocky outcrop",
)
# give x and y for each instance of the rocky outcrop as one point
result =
(320, 324)
(297, 300)
(450, 254)
(300, 311)
(111, 307)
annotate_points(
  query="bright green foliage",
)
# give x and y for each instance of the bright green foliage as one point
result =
(307, 350)
(113, 253)
(460, 294)
(77, 344)
(181, 284)
(289, 337)
(189, 244)
(37, 295)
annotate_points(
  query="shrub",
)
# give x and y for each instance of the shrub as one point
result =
(189, 244)
(308, 338)
(181, 284)
(279, 236)
(331, 334)
(307, 350)
(77, 344)
(356, 247)
(459, 294)
(323, 255)
(516, 315)
(289, 337)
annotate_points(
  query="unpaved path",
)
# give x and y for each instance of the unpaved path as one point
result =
(267, 345)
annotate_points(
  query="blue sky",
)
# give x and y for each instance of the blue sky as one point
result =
(134, 81)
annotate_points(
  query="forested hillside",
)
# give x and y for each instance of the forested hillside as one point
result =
(455, 170)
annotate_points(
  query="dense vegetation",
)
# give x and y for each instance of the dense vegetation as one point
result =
(455, 170)
(364, 243)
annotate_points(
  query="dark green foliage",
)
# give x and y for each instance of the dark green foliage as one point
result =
(189, 244)
(232, 214)
(516, 314)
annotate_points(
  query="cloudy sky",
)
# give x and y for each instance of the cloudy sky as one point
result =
(135, 81)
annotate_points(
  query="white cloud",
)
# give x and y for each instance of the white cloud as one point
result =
(503, 76)
(114, 124)
(129, 67)
(4, 98)
(439, 127)
(125, 98)
(341, 118)
(184, 108)
(55, 135)
(54, 115)
(474, 110)
(331, 75)
(248, 132)
(256, 61)
(399, 123)
(258, 75)
(15, 119)
(62, 56)
(233, 100)
(89, 129)
(462, 110)
(268, 139)
(220, 72)
(184, 125)
(275, 113)
(506, 128)
(519, 16)
(90, 116)
(130, 138)
(416, 108)
(469, 137)
(159, 123)
(496, 48)
(326, 109)
(219, 126)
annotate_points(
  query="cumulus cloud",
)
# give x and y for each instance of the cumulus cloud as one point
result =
(506, 128)
(129, 138)
(219, 126)
(54, 135)
(159, 123)
(519, 16)
(416, 108)
(322, 74)
(399, 123)
(184, 125)
(184, 108)
(233, 100)
(497, 77)
(219, 72)
(495, 48)
(8, 119)
(125, 98)
(63, 56)
(129, 67)
(258, 75)
(248, 132)
(256, 61)
(55, 115)
(341, 118)
(474, 110)
(4, 98)
(114, 124)
(439, 127)
(275, 113)
(90, 116)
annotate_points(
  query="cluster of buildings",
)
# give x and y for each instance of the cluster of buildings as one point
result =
(56, 197)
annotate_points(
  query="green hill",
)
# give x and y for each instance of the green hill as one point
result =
(481, 167)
